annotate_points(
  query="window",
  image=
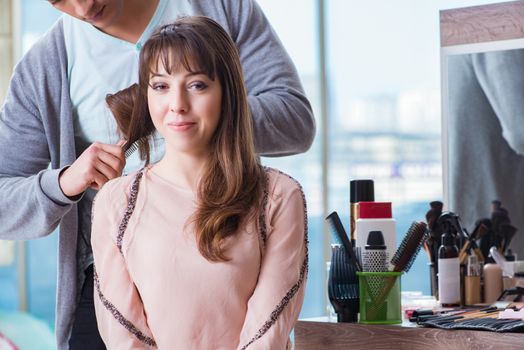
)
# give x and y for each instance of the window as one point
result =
(383, 122)
(306, 168)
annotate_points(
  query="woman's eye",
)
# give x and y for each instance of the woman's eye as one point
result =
(198, 85)
(158, 86)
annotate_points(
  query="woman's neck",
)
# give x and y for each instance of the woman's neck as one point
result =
(134, 19)
(181, 169)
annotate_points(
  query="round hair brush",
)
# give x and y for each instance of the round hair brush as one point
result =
(409, 247)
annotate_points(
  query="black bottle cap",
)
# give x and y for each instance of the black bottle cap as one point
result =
(438, 205)
(361, 191)
(375, 240)
(509, 255)
(448, 239)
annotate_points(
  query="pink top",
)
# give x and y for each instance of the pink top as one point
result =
(154, 289)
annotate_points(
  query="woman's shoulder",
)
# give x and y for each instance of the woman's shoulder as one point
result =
(116, 192)
(280, 183)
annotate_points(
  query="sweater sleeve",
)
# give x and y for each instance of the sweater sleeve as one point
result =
(282, 115)
(276, 302)
(119, 310)
(32, 203)
(501, 76)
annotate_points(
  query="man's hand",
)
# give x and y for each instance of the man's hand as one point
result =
(98, 164)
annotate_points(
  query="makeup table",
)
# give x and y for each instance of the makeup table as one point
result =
(321, 334)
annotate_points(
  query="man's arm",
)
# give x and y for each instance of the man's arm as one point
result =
(31, 202)
(282, 115)
(501, 76)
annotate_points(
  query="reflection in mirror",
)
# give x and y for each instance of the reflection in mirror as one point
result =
(486, 137)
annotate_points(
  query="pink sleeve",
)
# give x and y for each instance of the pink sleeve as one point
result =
(119, 310)
(276, 302)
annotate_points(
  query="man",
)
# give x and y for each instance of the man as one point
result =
(59, 143)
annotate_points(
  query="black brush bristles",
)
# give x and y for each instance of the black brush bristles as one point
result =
(409, 248)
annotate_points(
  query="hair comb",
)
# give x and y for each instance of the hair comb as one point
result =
(131, 150)
(342, 237)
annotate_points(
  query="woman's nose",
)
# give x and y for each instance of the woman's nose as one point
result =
(178, 102)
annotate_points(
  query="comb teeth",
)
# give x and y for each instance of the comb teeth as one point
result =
(409, 248)
(131, 150)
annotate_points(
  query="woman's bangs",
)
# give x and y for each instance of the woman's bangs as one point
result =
(175, 54)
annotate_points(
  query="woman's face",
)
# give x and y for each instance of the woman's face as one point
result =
(185, 108)
(100, 13)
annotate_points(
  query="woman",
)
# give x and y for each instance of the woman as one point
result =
(205, 249)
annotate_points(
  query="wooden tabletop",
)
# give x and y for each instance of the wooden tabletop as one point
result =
(311, 335)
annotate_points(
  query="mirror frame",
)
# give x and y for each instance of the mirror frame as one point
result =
(474, 29)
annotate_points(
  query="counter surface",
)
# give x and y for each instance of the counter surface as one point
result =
(312, 335)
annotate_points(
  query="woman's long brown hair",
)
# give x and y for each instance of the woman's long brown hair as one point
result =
(232, 185)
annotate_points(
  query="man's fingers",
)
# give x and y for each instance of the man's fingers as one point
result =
(116, 150)
(115, 163)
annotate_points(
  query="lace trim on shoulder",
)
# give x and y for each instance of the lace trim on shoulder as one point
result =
(131, 203)
(294, 289)
(262, 216)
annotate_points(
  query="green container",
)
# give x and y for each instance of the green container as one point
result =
(380, 297)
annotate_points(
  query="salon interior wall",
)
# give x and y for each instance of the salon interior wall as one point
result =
(381, 117)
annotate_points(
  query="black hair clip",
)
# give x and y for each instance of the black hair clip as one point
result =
(168, 29)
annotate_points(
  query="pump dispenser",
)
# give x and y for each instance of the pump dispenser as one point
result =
(448, 271)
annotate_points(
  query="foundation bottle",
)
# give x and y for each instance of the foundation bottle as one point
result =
(472, 281)
(492, 281)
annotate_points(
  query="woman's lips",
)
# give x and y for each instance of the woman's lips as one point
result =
(181, 126)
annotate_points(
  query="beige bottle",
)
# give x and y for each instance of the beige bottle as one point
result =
(492, 281)
(472, 281)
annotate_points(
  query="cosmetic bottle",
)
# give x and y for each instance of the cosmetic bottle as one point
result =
(509, 255)
(374, 256)
(375, 216)
(448, 271)
(472, 281)
(492, 281)
(359, 191)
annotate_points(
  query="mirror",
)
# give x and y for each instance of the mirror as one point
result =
(482, 69)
